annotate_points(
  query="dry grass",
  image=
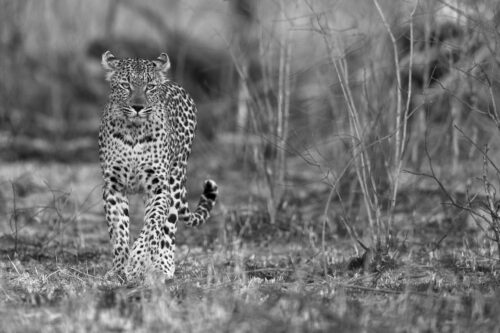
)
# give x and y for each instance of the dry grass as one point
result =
(257, 291)
(232, 279)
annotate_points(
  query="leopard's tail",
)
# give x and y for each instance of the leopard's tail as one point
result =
(205, 205)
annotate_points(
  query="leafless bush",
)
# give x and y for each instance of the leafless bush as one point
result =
(377, 173)
(468, 85)
(42, 225)
(480, 202)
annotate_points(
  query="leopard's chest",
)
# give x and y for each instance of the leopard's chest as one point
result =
(141, 157)
(135, 150)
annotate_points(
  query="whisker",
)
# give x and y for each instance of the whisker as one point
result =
(128, 111)
(145, 112)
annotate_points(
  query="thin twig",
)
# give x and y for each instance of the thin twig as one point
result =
(88, 275)
(485, 155)
(14, 265)
(401, 135)
(397, 151)
(14, 217)
(386, 291)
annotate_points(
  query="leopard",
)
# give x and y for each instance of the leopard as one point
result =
(145, 138)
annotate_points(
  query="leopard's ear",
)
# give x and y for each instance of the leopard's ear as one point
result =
(162, 64)
(109, 62)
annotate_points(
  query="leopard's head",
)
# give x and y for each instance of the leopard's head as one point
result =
(135, 85)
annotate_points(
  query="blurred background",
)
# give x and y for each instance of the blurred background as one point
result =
(355, 145)
(290, 95)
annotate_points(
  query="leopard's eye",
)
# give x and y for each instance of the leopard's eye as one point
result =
(125, 85)
(150, 86)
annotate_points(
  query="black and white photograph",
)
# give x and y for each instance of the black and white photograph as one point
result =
(249, 166)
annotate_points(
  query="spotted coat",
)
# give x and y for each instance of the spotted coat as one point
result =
(145, 139)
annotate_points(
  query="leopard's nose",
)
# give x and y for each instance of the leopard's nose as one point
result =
(137, 108)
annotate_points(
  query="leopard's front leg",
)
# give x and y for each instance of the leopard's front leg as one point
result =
(153, 251)
(117, 217)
